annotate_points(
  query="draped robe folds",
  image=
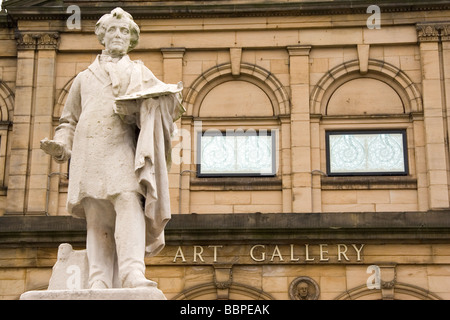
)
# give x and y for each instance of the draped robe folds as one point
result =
(106, 158)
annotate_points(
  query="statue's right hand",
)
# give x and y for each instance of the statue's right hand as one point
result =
(126, 107)
(54, 148)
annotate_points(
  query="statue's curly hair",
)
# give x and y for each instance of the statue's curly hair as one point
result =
(117, 13)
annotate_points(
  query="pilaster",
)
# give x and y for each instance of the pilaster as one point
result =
(445, 81)
(32, 121)
(300, 128)
(285, 163)
(173, 73)
(436, 124)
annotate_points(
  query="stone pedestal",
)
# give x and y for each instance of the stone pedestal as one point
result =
(69, 282)
(96, 294)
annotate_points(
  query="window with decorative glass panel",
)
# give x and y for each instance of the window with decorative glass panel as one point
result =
(375, 152)
(236, 153)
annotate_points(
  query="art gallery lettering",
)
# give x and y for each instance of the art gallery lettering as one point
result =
(289, 253)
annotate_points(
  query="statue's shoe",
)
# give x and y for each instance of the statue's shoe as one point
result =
(98, 284)
(136, 279)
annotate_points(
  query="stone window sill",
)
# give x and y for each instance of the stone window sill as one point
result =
(368, 183)
(235, 183)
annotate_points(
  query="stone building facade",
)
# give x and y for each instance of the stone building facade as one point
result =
(325, 79)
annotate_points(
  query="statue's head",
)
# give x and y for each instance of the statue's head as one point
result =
(117, 31)
(302, 290)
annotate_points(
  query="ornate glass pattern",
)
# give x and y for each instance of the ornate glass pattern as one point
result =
(380, 152)
(236, 153)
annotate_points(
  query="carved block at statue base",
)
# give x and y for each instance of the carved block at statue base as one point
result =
(96, 294)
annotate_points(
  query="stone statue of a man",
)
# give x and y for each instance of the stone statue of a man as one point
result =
(119, 154)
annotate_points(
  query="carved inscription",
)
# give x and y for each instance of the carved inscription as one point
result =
(266, 253)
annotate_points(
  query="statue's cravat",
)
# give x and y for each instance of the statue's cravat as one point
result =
(109, 64)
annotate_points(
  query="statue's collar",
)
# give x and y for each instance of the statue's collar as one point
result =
(100, 73)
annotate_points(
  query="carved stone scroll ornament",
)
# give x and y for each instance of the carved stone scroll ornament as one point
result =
(304, 288)
(37, 40)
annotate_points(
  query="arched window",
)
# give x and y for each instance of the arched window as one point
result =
(6, 107)
(364, 138)
(367, 124)
(247, 108)
(236, 127)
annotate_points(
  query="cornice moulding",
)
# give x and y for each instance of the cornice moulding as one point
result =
(38, 10)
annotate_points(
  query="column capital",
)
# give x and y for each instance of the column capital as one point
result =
(30, 40)
(445, 32)
(433, 31)
(173, 53)
(299, 50)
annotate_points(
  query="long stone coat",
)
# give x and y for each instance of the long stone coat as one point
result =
(104, 160)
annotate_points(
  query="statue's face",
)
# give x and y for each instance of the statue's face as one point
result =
(117, 37)
(303, 289)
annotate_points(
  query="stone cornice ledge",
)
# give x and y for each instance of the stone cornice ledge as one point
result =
(388, 227)
(188, 9)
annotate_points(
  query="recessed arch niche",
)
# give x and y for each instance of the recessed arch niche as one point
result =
(402, 291)
(254, 85)
(6, 110)
(345, 81)
(61, 100)
(364, 96)
(6, 102)
(236, 98)
(236, 291)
